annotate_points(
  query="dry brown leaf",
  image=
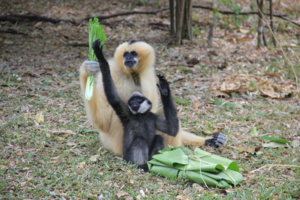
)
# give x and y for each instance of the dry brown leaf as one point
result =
(249, 149)
(94, 158)
(267, 86)
(216, 93)
(210, 132)
(295, 143)
(122, 194)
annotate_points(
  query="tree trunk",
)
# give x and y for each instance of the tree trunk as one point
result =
(260, 28)
(181, 21)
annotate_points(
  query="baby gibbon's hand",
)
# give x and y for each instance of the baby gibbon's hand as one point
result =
(98, 46)
(163, 85)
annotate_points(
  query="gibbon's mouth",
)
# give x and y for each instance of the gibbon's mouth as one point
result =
(130, 64)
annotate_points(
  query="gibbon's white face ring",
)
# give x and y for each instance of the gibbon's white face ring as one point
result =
(144, 107)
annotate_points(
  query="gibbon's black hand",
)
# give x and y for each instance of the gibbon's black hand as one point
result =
(219, 139)
(163, 85)
(98, 46)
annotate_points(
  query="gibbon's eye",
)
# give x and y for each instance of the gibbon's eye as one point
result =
(134, 53)
(125, 54)
(139, 100)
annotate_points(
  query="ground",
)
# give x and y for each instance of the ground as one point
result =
(49, 150)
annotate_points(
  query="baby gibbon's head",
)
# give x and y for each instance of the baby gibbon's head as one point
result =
(139, 104)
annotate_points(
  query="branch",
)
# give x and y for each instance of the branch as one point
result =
(234, 13)
(281, 16)
(15, 18)
(102, 17)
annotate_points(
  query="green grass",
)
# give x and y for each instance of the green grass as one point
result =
(50, 159)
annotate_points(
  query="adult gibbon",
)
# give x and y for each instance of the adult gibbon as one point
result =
(132, 70)
(140, 141)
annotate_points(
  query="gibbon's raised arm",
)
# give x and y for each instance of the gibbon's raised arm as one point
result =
(170, 112)
(110, 90)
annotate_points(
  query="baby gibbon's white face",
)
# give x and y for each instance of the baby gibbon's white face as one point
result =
(139, 104)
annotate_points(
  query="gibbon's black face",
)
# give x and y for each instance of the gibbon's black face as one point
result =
(130, 58)
(139, 104)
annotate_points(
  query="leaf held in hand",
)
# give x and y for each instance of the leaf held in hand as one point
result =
(89, 88)
(96, 31)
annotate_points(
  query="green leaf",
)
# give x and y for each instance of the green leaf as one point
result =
(181, 101)
(9, 83)
(218, 102)
(253, 131)
(96, 31)
(199, 166)
(274, 139)
(233, 105)
(89, 87)
(227, 104)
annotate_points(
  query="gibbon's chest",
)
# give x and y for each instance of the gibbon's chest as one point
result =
(141, 126)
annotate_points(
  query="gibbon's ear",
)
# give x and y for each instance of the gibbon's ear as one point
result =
(138, 103)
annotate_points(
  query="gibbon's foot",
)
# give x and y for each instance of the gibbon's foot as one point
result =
(218, 140)
(144, 167)
(91, 67)
(163, 85)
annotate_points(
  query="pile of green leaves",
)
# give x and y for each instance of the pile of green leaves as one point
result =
(199, 166)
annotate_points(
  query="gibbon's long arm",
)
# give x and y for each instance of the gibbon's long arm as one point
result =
(110, 90)
(170, 112)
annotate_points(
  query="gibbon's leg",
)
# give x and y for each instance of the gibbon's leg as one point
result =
(158, 144)
(99, 112)
(137, 152)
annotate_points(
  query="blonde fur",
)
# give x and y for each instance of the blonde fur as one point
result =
(101, 114)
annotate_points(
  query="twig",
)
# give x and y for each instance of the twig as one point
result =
(274, 165)
(32, 17)
(102, 17)
(234, 13)
(271, 23)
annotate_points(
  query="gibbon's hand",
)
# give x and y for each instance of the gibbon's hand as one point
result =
(98, 46)
(219, 139)
(163, 85)
(91, 67)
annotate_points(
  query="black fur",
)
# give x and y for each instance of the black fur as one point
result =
(219, 139)
(140, 142)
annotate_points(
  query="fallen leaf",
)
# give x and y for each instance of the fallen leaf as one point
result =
(39, 117)
(253, 131)
(121, 194)
(274, 139)
(71, 144)
(181, 101)
(94, 158)
(295, 143)
(274, 145)
(249, 149)
(210, 132)
(81, 165)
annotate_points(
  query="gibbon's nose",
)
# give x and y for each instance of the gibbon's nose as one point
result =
(135, 107)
